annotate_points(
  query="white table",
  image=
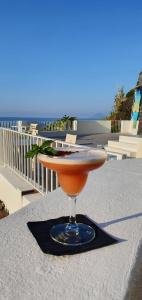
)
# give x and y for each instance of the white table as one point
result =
(112, 197)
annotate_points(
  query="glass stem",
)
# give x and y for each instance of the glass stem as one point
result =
(72, 217)
(72, 226)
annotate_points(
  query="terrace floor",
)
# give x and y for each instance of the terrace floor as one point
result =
(97, 139)
(91, 140)
(86, 139)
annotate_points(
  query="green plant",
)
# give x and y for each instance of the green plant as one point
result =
(46, 149)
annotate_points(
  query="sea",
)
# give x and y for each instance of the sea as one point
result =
(27, 119)
(37, 119)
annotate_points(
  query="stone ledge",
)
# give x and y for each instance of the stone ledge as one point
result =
(15, 180)
(112, 197)
(15, 192)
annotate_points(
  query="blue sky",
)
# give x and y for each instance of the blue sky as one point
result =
(67, 56)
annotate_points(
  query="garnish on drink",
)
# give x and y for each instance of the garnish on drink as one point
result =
(46, 149)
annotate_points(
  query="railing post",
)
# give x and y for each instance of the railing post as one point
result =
(3, 143)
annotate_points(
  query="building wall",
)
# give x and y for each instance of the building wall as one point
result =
(129, 127)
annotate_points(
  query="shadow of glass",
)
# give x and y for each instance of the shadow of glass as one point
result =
(103, 225)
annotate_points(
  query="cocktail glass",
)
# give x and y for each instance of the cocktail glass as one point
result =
(72, 171)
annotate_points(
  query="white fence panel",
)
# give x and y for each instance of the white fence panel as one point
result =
(13, 148)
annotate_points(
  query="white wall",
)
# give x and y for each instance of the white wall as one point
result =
(11, 187)
(93, 126)
(127, 127)
(10, 195)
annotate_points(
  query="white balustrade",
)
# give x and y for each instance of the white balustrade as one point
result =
(13, 148)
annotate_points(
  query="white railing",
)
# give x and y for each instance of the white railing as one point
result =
(9, 123)
(13, 148)
(43, 125)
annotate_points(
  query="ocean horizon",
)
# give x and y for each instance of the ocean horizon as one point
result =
(39, 119)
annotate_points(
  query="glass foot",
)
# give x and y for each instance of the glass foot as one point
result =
(72, 234)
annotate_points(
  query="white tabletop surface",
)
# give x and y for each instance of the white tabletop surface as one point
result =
(113, 198)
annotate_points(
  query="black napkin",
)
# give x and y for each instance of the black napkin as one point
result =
(41, 232)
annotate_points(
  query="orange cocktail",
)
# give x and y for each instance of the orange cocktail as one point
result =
(72, 173)
(73, 169)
